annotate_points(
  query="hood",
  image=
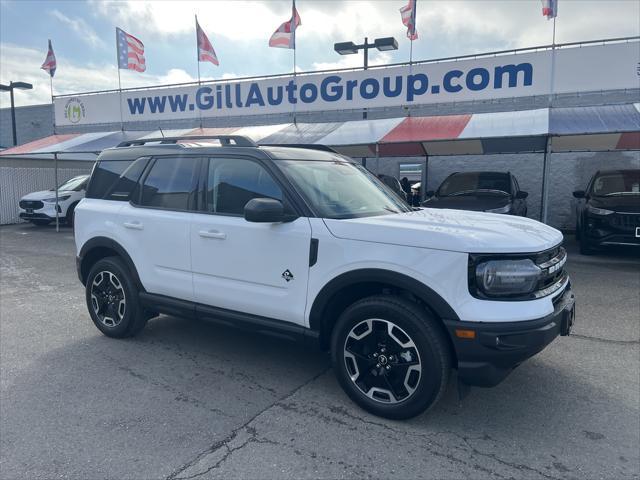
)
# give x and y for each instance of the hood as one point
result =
(454, 230)
(44, 194)
(476, 203)
(622, 203)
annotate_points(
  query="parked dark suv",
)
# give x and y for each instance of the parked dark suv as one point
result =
(610, 212)
(495, 192)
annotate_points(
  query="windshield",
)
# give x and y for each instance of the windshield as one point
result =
(341, 189)
(471, 183)
(617, 183)
(75, 184)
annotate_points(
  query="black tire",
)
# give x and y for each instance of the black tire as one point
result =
(40, 223)
(585, 246)
(71, 215)
(408, 320)
(106, 313)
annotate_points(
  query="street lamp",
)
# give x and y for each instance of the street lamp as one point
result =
(382, 44)
(10, 88)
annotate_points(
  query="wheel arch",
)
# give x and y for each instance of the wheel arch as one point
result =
(102, 247)
(349, 287)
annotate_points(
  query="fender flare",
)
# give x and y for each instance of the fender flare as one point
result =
(106, 242)
(440, 307)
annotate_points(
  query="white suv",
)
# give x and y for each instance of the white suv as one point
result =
(39, 208)
(307, 244)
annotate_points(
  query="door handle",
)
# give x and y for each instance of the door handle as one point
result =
(133, 225)
(212, 234)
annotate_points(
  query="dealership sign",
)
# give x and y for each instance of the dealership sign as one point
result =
(579, 69)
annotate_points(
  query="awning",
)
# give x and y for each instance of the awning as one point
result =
(606, 127)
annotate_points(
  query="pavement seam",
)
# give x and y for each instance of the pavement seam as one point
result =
(606, 340)
(224, 442)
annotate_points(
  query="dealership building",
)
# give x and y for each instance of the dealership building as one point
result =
(551, 117)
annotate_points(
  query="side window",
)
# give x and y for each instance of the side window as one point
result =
(125, 186)
(105, 175)
(231, 183)
(171, 183)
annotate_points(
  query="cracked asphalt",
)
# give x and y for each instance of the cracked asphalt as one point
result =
(189, 399)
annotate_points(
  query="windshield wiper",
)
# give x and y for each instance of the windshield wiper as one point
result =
(478, 190)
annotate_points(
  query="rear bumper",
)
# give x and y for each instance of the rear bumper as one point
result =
(498, 348)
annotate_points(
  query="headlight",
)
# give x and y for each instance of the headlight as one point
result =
(60, 199)
(599, 211)
(505, 209)
(507, 277)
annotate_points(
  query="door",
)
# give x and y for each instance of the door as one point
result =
(256, 268)
(155, 228)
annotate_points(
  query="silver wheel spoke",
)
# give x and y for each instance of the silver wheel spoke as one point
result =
(382, 360)
(108, 299)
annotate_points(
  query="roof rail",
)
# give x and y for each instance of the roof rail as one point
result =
(225, 140)
(309, 146)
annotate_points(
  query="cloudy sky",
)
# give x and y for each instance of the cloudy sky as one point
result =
(83, 35)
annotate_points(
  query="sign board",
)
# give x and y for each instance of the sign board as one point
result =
(577, 69)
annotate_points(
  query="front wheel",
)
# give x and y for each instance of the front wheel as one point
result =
(390, 356)
(112, 299)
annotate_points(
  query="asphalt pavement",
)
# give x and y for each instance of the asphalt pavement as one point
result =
(189, 399)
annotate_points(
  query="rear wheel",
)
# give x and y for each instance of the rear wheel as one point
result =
(112, 299)
(390, 356)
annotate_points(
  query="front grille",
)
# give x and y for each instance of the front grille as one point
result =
(34, 204)
(625, 221)
(552, 271)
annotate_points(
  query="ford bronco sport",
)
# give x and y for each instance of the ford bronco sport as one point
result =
(306, 243)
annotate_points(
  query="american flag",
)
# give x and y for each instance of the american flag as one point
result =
(206, 53)
(550, 8)
(408, 13)
(50, 64)
(285, 35)
(130, 51)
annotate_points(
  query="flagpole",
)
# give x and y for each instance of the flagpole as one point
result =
(53, 107)
(119, 82)
(293, 17)
(198, 62)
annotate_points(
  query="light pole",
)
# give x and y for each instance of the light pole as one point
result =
(10, 88)
(349, 48)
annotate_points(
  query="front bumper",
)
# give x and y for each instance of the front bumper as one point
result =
(497, 348)
(614, 229)
(46, 212)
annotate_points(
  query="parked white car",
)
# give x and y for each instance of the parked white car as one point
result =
(39, 208)
(308, 244)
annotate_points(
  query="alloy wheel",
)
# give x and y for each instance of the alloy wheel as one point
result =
(108, 299)
(382, 361)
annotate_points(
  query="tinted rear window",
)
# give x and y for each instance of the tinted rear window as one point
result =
(116, 180)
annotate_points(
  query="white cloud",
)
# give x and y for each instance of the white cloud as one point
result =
(79, 26)
(354, 61)
(514, 23)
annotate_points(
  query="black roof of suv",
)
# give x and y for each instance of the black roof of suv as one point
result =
(227, 144)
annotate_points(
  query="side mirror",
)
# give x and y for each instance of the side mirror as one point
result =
(264, 210)
(430, 193)
(579, 194)
(521, 195)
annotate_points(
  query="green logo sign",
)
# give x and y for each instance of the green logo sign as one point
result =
(74, 110)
